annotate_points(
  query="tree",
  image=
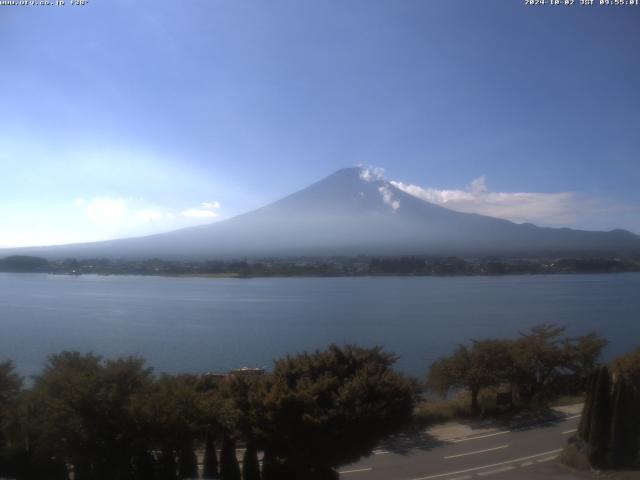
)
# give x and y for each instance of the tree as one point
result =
(229, 468)
(629, 367)
(611, 421)
(240, 415)
(484, 363)
(210, 467)
(10, 389)
(581, 357)
(187, 461)
(321, 410)
(171, 415)
(538, 354)
(85, 416)
(584, 428)
(250, 465)
(600, 419)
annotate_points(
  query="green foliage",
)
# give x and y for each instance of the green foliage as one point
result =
(600, 419)
(623, 437)
(210, 467)
(328, 408)
(537, 356)
(584, 428)
(250, 465)
(85, 412)
(629, 367)
(540, 364)
(23, 263)
(483, 364)
(10, 389)
(611, 421)
(187, 461)
(229, 468)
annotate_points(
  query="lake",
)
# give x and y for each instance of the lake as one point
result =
(201, 324)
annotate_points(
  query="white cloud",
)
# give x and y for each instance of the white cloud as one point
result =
(206, 210)
(369, 173)
(149, 215)
(210, 205)
(104, 210)
(387, 197)
(550, 209)
(133, 211)
(198, 213)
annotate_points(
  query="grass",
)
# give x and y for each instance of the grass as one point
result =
(565, 400)
(432, 411)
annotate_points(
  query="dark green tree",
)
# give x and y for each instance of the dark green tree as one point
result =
(10, 389)
(168, 469)
(250, 464)
(629, 367)
(599, 433)
(187, 461)
(84, 413)
(625, 431)
(171, 416)
(210, 467)
(322, 410)
(229, 468)
(584, 428)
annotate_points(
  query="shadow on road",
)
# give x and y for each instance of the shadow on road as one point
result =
(520, 421)
(415, 439)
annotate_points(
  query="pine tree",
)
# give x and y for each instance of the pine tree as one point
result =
(587, 410)
(269, 467)
(250, 465)
(615, 452)
(187, 463)
(600, 420)
(145, 466)
(210, 458)
(229, 468)
(625, 427)
(168, 465)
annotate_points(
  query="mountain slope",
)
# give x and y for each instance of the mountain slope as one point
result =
(351, 213)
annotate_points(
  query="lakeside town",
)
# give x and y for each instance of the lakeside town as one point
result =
(324, 266)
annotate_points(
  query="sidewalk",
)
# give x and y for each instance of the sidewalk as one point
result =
(452, 431)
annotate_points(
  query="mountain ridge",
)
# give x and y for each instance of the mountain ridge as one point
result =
(351, 212)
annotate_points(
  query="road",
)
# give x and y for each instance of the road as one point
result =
(513, 452)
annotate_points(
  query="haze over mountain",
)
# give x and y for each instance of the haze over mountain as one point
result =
(351, 212)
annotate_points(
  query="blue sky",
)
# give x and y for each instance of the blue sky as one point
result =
(123, 118)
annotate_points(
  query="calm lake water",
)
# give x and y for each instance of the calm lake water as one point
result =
(199, 324)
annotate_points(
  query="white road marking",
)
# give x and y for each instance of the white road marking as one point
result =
(356, 470)
(466, 477)
(488, 466)
(477, 451)
(526, 464)
(546, 459)
(466, 439)
(498, 470)
(574, 416)
(570, 431)
(380, 452)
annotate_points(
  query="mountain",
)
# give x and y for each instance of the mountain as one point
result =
(352, 212)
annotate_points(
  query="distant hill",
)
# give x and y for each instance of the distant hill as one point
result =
(351, 213)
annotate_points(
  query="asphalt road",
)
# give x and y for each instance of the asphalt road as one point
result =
(514, 452)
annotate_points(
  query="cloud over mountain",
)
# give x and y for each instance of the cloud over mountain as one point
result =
(550, 209)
